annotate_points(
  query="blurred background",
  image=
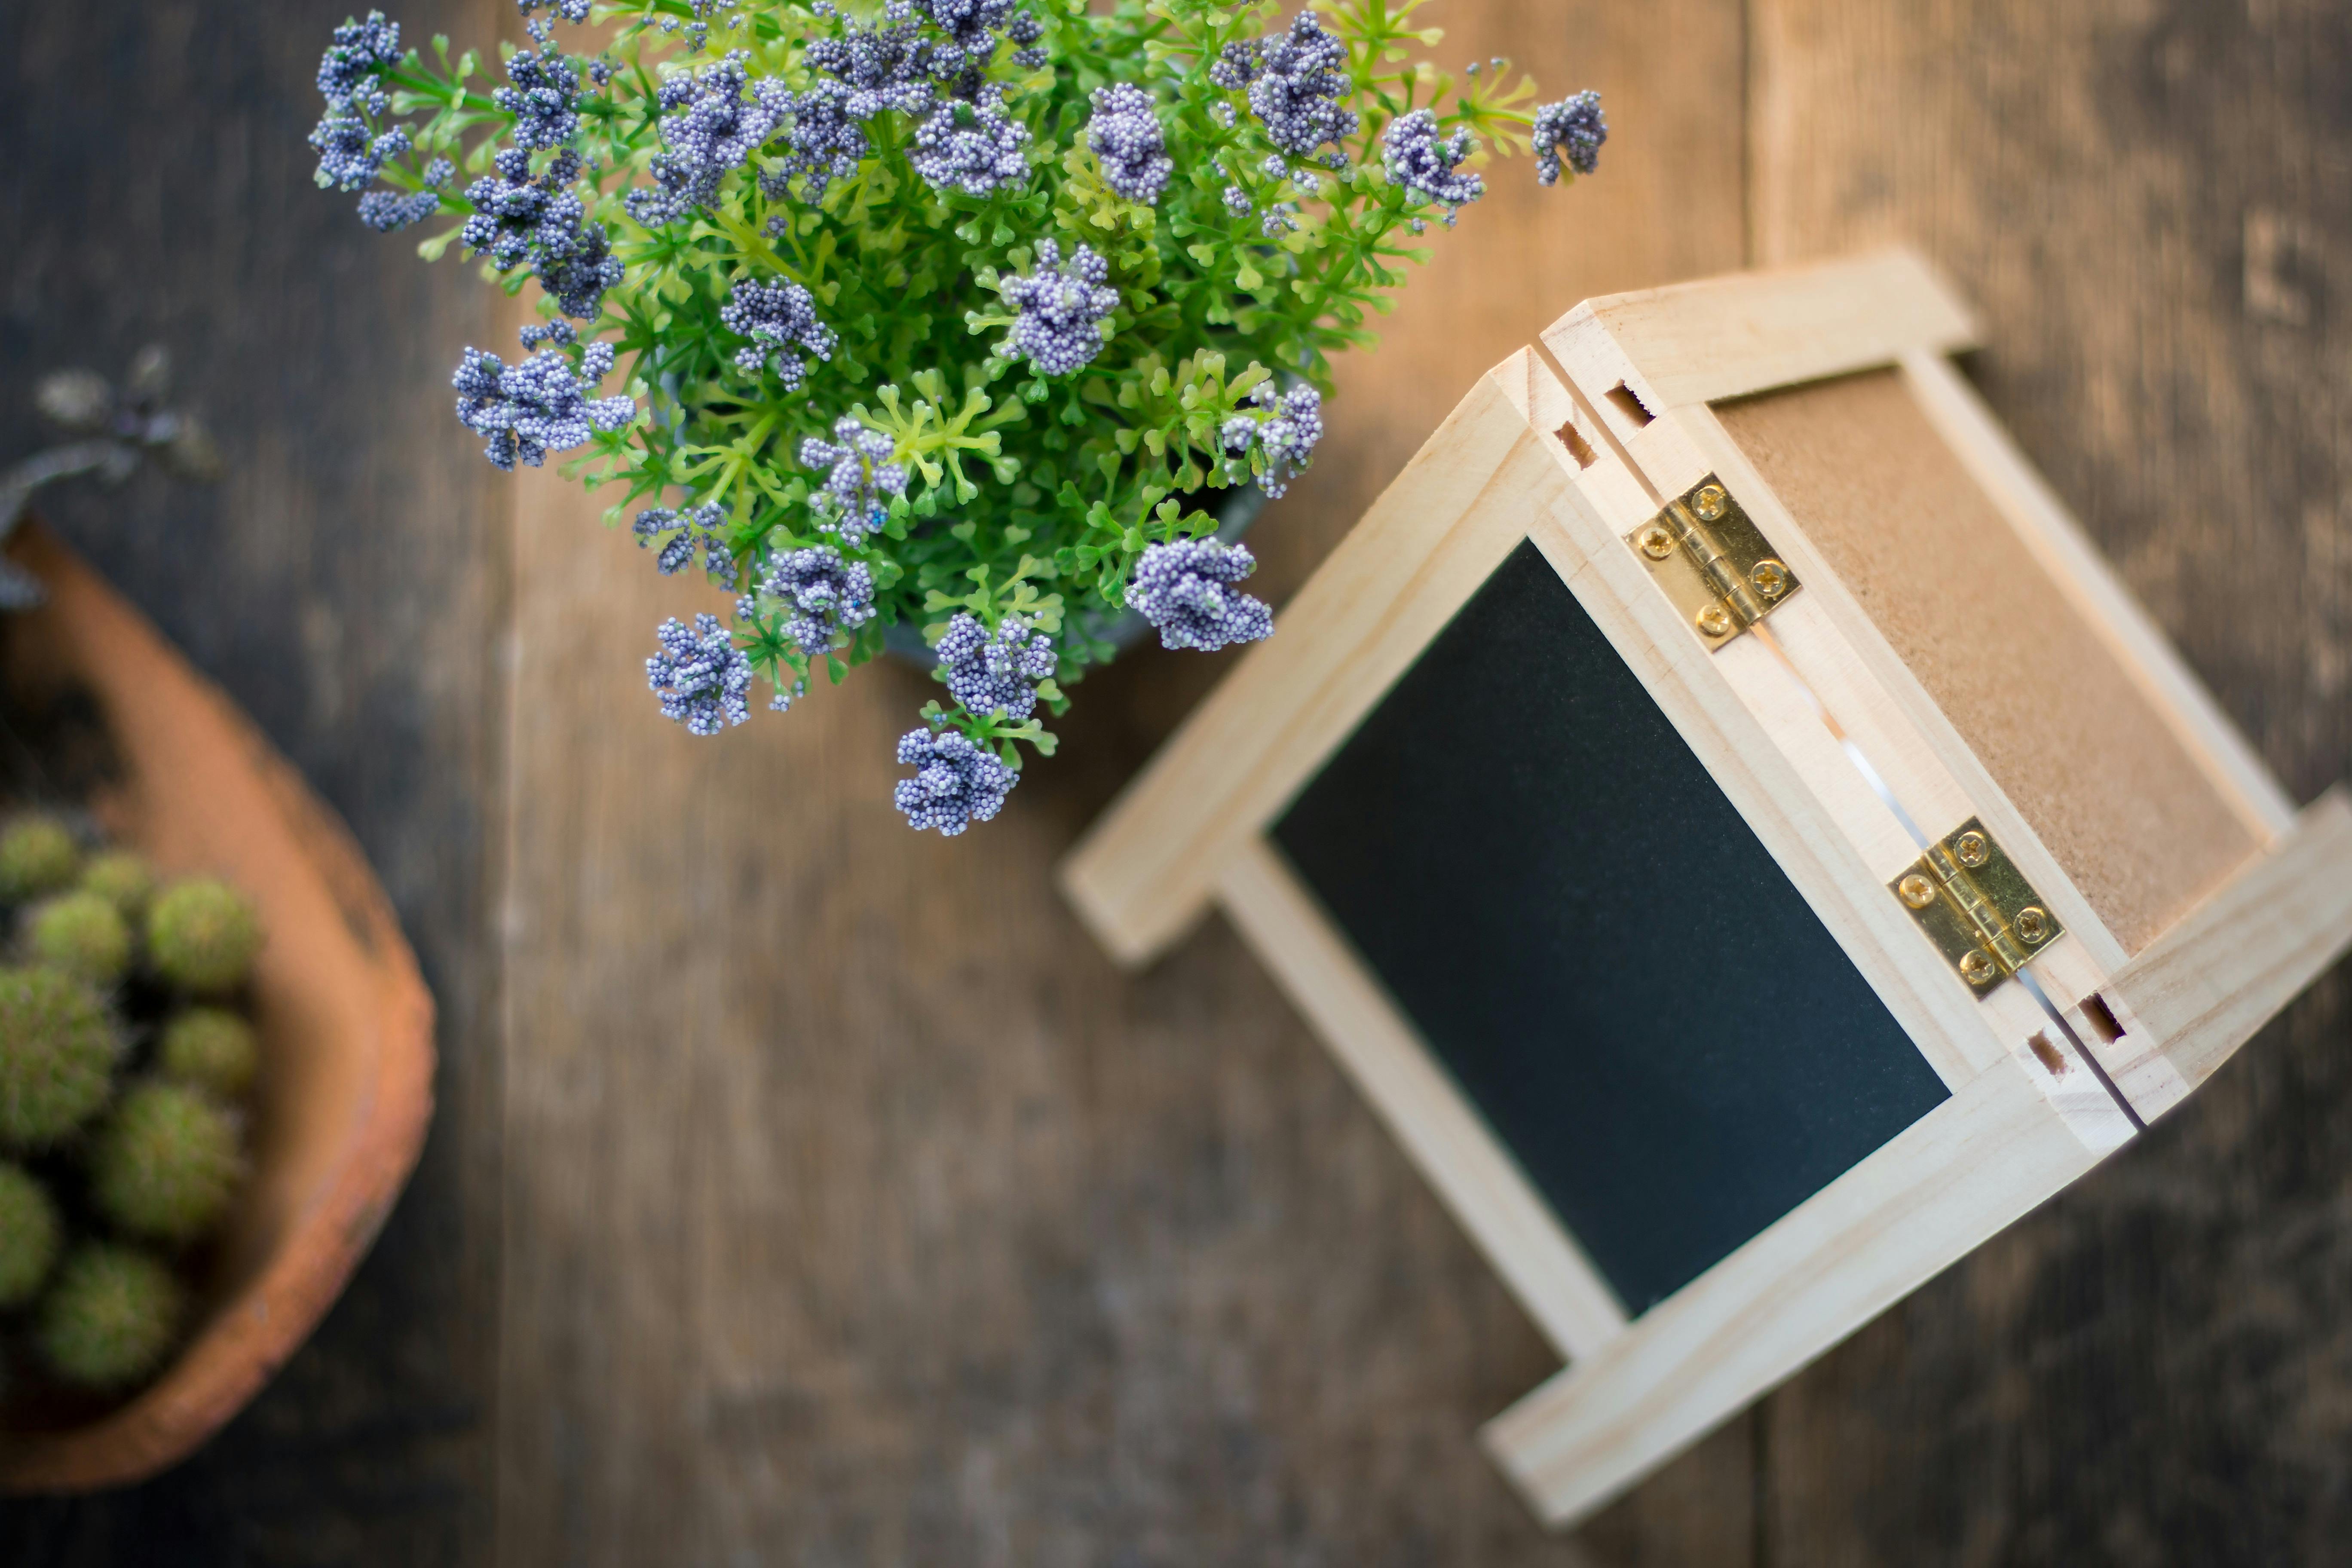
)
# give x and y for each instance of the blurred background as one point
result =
(804, 1190)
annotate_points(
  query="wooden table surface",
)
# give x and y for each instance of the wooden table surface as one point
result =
(805, 1191)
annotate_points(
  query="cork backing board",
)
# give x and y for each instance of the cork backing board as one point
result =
(2064, 730)
(1595, 945)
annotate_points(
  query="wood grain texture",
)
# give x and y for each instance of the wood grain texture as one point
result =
(2143, 202)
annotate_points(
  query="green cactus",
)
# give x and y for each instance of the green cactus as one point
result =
(166, 1164)
(123, 877)
(212, 1049)
(29, 1234)
(111, 1317)
(38, 855)
(202, 935)
(83, 934)
(57, 1051)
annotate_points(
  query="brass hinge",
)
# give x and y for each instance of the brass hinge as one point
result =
(1976, 906)
(1713, 562)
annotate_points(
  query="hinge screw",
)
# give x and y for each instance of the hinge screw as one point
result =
(1710, 503)
(1768, 577)
(1714, 621)
(1976, 968)
(1970, 849)
(1656, 542)
(2033, 924)
(1916, 890)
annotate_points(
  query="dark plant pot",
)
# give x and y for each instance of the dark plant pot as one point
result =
(346, 1025)
(1123, 631)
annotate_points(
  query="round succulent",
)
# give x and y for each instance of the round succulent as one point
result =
(29, 1233)
(111, 1316)
(166, 1164)
(38, 855)
(123, 877)
(212, 1049)
(57, 1050)
(202, 935)
(83, 934)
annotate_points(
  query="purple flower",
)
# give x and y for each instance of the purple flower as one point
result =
(995, 672)
(1185, 589)
(1283, 438)
(679, 533)
(708, 127)
(1573, 126)
(519, 217)
(1419, 160)
(823, 594)
(1126, 137)
(777, 317)
(1296, 84)
(350, 155)
(538, 406)
(955, 784)
(860, 474)
(888, 65)
(546, 86)
(971, 145)
(822, 144)
(699, 676)
(1060, 308)
(385, 211)
(352, 71)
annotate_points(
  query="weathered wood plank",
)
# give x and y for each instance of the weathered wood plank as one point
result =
(2145, 204)
(346, 583)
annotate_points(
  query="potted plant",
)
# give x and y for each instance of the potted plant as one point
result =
(949, 317)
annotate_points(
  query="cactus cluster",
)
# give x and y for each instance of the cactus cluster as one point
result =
(124, 1066)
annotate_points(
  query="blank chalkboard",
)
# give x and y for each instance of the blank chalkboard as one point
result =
(1587, 934)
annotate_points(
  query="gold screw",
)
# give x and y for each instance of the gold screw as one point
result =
(1714, 621)
(1768, 577)
(1710, 503)
(1976, 968)
(2033, 924)
(1916, 890)
(1656, 542)
(1970, 849)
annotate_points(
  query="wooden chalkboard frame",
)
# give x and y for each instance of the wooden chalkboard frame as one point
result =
(1570, 446)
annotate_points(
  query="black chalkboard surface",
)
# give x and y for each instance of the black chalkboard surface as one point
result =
(1593, 941)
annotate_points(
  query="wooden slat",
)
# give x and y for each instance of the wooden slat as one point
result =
(2197, 994)
(1702, 342)
(1955, 1177)
(1392, 1066)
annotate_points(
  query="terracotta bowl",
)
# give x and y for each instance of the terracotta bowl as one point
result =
(346, 1025)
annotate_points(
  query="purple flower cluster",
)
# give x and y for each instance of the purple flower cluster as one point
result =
(822, 144)
(1284, 440)
(350, 155)
(778, 317)
(519, 217)
(680, 532)
(351, 74)
(1419, 160)
(384, 210)
(1571, 128)
(708, 127)
(1296, 84)
(971, 145)
(540, 405)
(956, 784)
(890, 65)
(823, 594)
(995, 672)
(699, 676)
(1185, 589)
(1060, 308)
(1124, 135)
(542, 99)
(859, 473)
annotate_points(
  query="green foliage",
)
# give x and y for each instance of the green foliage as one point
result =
(38, 855)
(123, 877)
(83, 934)
(29, 1235)
(202, 935)
(111, 1317)
(211, 1049)
(1027, 495)
(166, 1164)
(57, 1051)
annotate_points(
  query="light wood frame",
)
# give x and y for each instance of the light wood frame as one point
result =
(1571, 448)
